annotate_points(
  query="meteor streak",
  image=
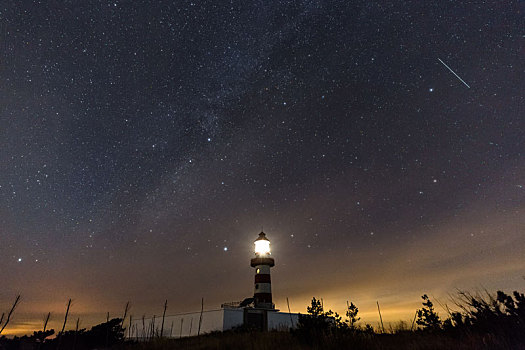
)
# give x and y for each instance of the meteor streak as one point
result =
(463, 81)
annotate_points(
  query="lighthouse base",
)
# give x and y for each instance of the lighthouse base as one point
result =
(265, 306)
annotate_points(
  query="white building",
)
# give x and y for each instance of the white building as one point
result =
(226, 318)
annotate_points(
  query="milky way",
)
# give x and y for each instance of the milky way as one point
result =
(144, 145)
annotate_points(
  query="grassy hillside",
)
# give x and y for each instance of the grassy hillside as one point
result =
(288, 341)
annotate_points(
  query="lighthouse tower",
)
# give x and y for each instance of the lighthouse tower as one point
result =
(262, 264)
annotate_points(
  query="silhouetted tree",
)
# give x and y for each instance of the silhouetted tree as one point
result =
(39, 336)
(427, 316)
(500, 315)
(109, 332)
(80, 339)
(351, 313)
(315, 309)
(315, 323)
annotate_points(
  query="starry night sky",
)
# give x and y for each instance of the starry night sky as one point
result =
(143, 145)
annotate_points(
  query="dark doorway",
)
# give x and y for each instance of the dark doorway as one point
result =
(255, 319)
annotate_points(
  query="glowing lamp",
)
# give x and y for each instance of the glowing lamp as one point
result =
(262, 245)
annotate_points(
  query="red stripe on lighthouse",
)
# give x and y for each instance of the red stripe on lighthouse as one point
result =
(263, 297)
(260, 278)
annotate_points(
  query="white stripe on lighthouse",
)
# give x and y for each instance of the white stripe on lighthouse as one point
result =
(263, 288)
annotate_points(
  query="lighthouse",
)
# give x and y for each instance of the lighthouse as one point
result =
(262, 264)
(257, 312)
